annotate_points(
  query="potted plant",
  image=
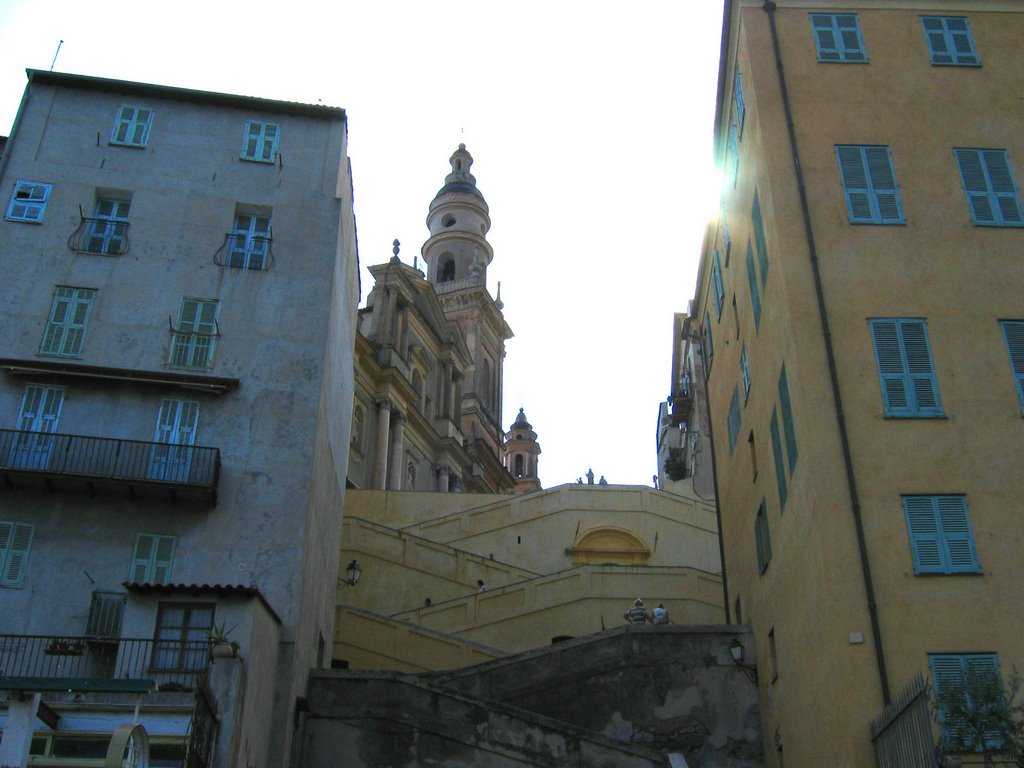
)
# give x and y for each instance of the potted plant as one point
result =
(221, 644)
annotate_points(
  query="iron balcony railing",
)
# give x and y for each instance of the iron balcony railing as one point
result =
(244, 251)
(108, 237)
(64, 662)
(102, 458)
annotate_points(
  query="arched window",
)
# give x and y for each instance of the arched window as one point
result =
(447, 271)
(519, 465)
(412, 477)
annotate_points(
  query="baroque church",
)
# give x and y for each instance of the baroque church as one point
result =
(430, 351)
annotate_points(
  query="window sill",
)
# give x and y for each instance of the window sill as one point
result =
(914, 417)
(125, 146)
(258, 160)
(23, 221)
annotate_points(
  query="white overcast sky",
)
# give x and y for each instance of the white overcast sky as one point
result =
(590, 124)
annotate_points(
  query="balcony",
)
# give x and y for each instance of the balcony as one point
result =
(101, 665)
(108, 237)
(245, 251)
(180, 472)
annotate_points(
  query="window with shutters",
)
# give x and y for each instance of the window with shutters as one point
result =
(905, 370)
(734, 419)
(260, 142)
(15, 543)
(966, 683)
(991, 192)
(755, 295)
(780, 468)
(131, 127)
(28, 202)
(762, 538)
(941, 539)
(838, 38)
(788, 427)
(739, 105)
(1013, 333)
(759, 238)
(33, 445)
(69, 315)
(176, 424)
(717, 284)
(182, 637)
(107, 231)
(869, 183)
(745, 372)
(950, 41)
(734, 153)
(195, 334)
(726, 237)
(709, 341)
(249, 240)
(153, 559)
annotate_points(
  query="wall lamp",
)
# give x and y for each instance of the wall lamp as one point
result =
(736, 651)
(352, 574)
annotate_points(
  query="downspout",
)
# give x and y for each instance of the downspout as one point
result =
(769, 8)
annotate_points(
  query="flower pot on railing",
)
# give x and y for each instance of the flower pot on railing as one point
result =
(224, 650)
(64, 648)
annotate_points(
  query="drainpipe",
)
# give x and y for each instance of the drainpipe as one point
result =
(769, 8)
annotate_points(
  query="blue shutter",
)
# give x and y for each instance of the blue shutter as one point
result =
(734, 419)
(837, 37)
(989, 187)
(717, 285)
(737, 95)
(745, 372)
(762, 245)
(958, 676)
(726, 239)
(780, 469)
(950, 41)
(709, 342)
(905, 368)
(869, 184)
(941, 538)
(923, 528)
(734, 152)
(956, 530)
(762, 538)
(787, 419)
(1013, 332)
(755, 297)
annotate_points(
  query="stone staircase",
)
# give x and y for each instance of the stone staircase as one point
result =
(625, 697)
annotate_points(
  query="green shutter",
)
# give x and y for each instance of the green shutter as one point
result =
(717, 285)
(923, 528)
(869, 183)
(734, 419)
(989, 187)
(153, 559)
(15, 543)
(956, 531)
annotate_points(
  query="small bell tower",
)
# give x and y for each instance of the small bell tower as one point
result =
(521, 452)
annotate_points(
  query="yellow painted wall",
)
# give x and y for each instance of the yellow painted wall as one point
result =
(938, 266)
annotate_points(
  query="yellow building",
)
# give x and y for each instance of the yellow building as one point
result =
(859, 306)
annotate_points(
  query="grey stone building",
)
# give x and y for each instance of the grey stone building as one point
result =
(178, 305)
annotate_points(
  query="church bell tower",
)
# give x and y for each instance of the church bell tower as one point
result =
(457, 255)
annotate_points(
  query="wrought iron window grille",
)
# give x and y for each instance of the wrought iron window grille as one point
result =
(241, 250)
(107, 237)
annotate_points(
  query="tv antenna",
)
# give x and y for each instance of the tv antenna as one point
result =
(56, 53)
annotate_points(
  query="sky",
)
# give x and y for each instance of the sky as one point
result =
(590, 125)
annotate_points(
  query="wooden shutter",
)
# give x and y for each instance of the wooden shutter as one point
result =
(15, 543)
(919, 366)
(745, 372)
(780, 469)
(734, 419)
(153, 559)
(787, 419)
(956, 530)
(925, 538)
(718, 286)
(1013, 332)
(989, 187)
(759, 238)
(755, 296)
(737, 95)
(890, 367)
